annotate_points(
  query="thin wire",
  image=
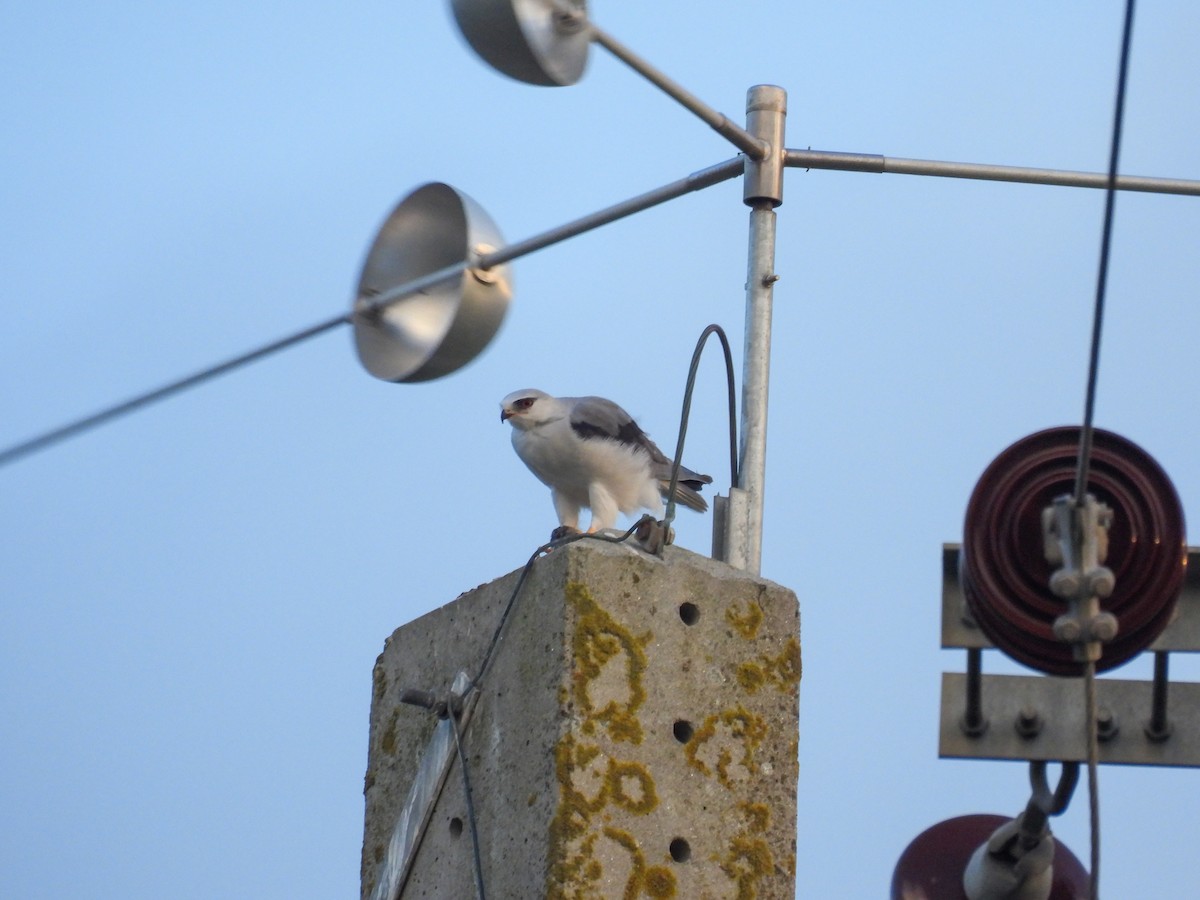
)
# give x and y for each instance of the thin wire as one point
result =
(462, 767)
(687, 411)
(1110, 195)
(490, 653)
(17, 451)
(1085, 436)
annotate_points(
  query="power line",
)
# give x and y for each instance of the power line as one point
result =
(41, 442)
(1110, 198)
(1086, 432)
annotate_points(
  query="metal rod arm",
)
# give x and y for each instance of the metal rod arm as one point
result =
(15, 452)
(724, 171)
(731, 131)
(704, 178)
(870, 162)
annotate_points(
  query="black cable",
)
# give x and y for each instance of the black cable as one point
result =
(490, 653)
(1085, 436)
(15, 452)
(1110, 195)
(687, 411)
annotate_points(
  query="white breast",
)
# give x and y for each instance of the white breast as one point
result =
(569, 464)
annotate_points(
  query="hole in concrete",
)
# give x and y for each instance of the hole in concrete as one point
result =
(689, 613)
(681, 850)
(683, 731)
(455, 826)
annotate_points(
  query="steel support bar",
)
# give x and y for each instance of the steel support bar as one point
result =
(1125, 707)
(868, 162)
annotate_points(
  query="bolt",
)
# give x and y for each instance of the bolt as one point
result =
(1106, 725)
(973, 726)
(1103, 627)
(1156, 734)
(1100, 581)
(1029, 723)
(569, 21)
(484, 276)
(1066, 628)
(1066, 583)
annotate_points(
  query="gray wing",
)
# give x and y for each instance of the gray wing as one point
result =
(595, 417)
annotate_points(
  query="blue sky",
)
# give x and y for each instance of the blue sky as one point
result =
(193, 597)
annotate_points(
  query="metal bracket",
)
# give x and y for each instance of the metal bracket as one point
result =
(1020, 717)
(731, 527)
(1007, 701)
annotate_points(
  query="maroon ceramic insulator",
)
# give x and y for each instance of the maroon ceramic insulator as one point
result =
(1004, 572)
(932, 866)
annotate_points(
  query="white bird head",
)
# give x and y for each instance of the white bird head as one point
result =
(528, 408)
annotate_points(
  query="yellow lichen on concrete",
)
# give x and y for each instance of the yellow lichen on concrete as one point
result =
(781, 671)
(609, 664)
(631, 787)
(725, 745)
(745, 622)
(751, 676)
(757, 816)
(387, 743)
(582, 775)
(657, 882)
(595, 785)
(747, 861)
(785, 669)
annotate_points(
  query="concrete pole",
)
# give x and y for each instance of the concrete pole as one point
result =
(635, 736)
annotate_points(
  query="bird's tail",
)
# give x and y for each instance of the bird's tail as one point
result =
(687, 490)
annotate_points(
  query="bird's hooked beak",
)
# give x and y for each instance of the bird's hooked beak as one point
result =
(506, 414)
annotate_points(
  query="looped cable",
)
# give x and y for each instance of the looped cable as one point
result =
(687, 411)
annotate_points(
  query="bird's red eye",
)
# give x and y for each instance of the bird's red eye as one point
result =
(524, 403)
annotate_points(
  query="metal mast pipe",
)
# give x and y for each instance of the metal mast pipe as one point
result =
(766, 110)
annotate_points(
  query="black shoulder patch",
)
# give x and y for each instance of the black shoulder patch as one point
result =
(587, 430)
(628, 433)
